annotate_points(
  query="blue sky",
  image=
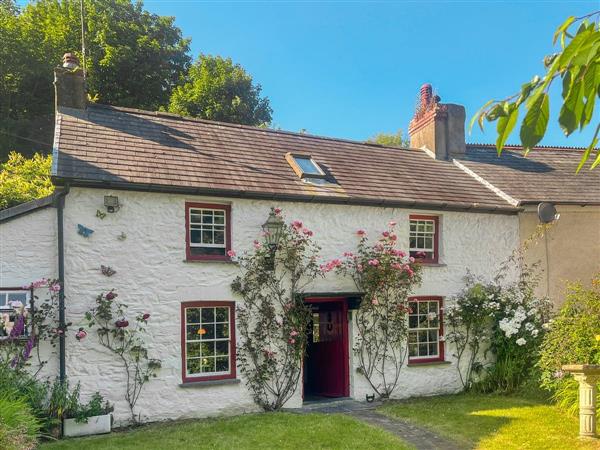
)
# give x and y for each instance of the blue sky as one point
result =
(352, 68)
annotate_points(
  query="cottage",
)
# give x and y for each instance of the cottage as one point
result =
(162, 200)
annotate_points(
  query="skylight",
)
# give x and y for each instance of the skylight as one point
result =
(307, 165)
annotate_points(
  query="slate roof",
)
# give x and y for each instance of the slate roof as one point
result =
(133, 149)
(545, 174)
(27, 207)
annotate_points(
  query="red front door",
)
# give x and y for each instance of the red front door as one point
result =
(326, 365)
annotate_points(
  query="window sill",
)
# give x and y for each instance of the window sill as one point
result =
(430, 363)
(204, 261)
(430, 264)
(208, 383)
(19, 338)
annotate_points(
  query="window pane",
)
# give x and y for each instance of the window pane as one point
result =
(222, 330)
(412, 337)
(307, 166)
(192, 315)
(412, 350)
(219, 237)
(209, 332)
(222, 315)
(413, 321)
(422, 336)
(207, 251)
(195, 237)
(433, 349)
(193, 349)
(220, 219)
(222, 365)
(195, 217)
(208, 349)
(193, 332)
(17, 297)
(207, 236)
(194, 366)
(222, 347)
(208, 364)
(422, 349)
(3, 300)
(433, 306)
(433, 335)
(207, 217)
(208, 315)
(428, 243)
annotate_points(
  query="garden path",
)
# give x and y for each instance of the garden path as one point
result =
(420, 438)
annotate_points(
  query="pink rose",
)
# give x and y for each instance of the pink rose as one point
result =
(393, 237)
(146, 316)
(375, 301)
(294, 333)
(361, 232)
(277, 211)
(111, 295)
(292, 341)
(385, 233)
(348, 254)
(122, 323)
(81, 334)
(257, 245)
(397, 266)
(296, 225)
(307, 232)
(411, 259)
(373, 262)
(230, 253)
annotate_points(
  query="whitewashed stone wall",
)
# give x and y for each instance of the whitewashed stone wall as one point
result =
(152, 276)
(29, 252)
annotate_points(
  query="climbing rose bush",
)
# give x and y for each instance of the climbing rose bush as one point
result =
(386, 276)
(272, 320)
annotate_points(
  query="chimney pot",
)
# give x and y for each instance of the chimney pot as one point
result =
(70, 61)
(426, 92)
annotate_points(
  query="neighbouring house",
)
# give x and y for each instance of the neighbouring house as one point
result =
(161, 199)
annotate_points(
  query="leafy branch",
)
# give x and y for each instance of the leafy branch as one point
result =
(577, 64)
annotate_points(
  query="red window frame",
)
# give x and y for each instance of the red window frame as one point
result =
(441, 355)
(232, 347)
(188, 251)
(436, 237)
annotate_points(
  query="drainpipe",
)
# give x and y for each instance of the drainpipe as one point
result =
(60, 205)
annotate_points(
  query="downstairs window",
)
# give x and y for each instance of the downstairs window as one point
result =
(425, 330)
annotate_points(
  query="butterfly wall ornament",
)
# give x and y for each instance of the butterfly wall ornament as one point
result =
(122, 236)
(107, 271)
(100, 214)
(84, 231)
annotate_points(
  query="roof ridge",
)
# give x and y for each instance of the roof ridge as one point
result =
(245, 127)
(520, 147)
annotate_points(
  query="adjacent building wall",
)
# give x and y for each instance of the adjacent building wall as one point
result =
(153, 276)
(569, 250)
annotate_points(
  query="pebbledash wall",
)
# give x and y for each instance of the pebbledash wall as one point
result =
(153, 276)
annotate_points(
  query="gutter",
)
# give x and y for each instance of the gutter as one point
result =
(60, 205)
(340, 200)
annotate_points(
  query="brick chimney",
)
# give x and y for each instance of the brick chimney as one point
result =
(438, 127)
(69, 84)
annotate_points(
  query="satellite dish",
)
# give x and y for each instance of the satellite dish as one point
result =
(547, 212)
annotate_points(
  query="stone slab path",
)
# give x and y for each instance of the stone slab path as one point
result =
(420, 438)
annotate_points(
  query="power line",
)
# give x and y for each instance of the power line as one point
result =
(25, 138)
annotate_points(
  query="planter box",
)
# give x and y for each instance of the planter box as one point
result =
(94, 425)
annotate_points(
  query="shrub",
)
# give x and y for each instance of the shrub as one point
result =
(510, 317)
(22, 179)
(19, 428)
(573, 338)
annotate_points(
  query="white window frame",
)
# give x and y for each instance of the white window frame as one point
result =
(231, 335)
(313, 162)
(7, 292)
(434, 234)
(438, 329)
(211, 225)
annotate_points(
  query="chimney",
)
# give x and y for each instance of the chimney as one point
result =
(69, 84)
(438, 127)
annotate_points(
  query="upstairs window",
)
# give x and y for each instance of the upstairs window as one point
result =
(9, 298)
(208, 231)
(208, 341)
(424, 237)
(425, 330)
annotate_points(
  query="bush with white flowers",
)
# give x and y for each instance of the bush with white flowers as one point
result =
(505, 320)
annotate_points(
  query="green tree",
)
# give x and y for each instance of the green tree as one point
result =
(389, 139)
(23, 179)
(577, 65)
(133, 59)
(217, 89)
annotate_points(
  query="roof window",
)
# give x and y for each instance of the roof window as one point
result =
(304, 166)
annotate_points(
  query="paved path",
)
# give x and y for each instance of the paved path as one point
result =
(419, 437)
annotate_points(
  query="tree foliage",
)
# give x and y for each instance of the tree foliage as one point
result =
(133, 59)
(577, 65)
(391, 140)
(22, 179)
(217, 89)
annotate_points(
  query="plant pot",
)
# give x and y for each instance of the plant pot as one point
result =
(95, 425)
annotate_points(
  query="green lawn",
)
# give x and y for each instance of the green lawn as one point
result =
(265, 431)
(493, 422)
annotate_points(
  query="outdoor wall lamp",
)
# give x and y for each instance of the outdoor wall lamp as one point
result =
(272, 229)
(111, 203)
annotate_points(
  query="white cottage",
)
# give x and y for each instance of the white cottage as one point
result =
(161, 199)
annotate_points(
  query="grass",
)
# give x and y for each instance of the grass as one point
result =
(493, 422)
(260, 431)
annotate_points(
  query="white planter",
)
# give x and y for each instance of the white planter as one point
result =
(94, 425)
